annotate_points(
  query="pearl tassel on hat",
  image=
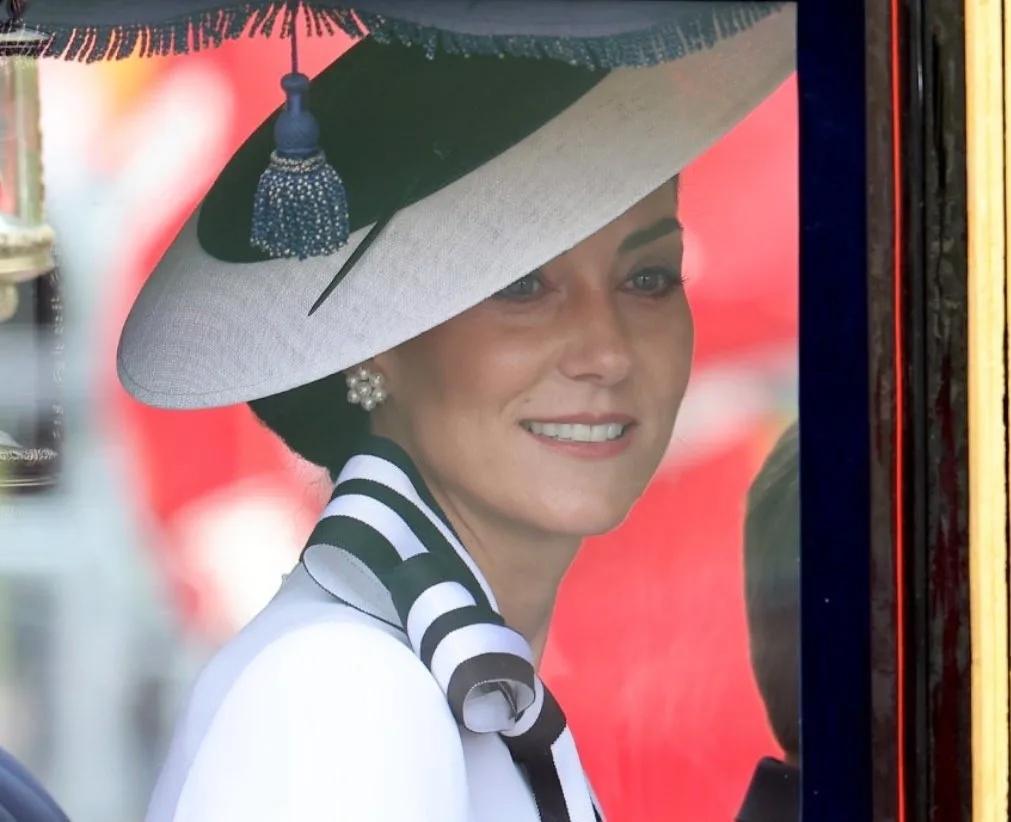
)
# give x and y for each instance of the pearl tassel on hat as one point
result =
(300, 208)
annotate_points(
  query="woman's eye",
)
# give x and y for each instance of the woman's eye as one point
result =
(654, 281)
(523, 288)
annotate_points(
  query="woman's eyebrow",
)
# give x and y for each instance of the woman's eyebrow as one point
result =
(644, 236)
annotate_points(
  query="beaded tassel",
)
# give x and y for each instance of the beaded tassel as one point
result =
(300, 207)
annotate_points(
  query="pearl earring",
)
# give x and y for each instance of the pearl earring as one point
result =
(365, 388)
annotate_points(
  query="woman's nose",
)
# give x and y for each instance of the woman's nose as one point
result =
(598, 347)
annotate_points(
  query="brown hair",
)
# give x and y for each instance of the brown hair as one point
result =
(772, 586)
(316, 421)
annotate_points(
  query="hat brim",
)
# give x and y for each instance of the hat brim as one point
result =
(207, 333)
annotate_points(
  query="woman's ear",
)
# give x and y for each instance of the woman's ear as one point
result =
(382, 364)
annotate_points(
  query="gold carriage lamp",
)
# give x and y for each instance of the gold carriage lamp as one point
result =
(26, 241)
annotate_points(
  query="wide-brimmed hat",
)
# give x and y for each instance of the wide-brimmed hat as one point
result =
(479, 166)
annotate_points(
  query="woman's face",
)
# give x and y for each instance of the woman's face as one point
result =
(551, 404)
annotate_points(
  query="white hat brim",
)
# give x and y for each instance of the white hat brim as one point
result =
(206, 333)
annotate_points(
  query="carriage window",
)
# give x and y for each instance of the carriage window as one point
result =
(666, 346)
(674, 645)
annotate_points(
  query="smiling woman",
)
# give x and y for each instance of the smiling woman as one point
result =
(501, 349)
(558, 395)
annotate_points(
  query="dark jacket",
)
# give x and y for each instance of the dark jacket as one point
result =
(773, 795)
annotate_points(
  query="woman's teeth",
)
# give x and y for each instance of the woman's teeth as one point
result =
(576, 432)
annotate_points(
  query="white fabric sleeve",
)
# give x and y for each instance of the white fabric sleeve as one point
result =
(335, 721)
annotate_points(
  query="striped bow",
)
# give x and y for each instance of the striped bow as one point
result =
(382, 516)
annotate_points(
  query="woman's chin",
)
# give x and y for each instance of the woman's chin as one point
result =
(583, 519)
(599, 528)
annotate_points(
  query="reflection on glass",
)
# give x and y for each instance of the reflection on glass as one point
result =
(26, 241)
(28, 632)
(31, 370)
(27, 303)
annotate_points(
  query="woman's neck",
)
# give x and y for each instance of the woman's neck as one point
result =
(524, 567)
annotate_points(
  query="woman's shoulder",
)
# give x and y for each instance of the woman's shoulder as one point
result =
(343, 671)
(309, 713)
(302, 631)
(332, 658)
